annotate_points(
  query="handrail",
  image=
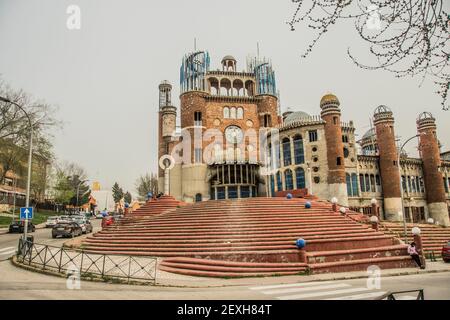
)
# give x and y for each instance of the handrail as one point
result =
(391, 294)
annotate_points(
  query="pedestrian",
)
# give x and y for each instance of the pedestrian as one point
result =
(414, 255)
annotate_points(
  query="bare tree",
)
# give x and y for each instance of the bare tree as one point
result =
(145, 184)
(406, 37)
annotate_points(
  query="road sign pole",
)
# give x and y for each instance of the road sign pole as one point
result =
(27, 204)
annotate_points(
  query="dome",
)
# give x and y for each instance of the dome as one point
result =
(369, 134)
(296, 116)
(228, 57)
(382, 109)
(329, 98)
(425, 115)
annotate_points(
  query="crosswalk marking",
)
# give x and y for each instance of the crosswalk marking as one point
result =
(8, 252)
(305, 289)
(6, 249)
(321, 294)
(303, 284)
(327, 290)
(360, 296)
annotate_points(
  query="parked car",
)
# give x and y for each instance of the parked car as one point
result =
(99, 215)
(85, 224)
(19, 226)
(64, 218)
(67, 229)
(107, 221)
(446, 252)
(51, 221)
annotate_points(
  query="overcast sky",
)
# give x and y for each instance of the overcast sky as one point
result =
(104, 77)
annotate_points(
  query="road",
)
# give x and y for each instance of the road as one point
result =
(17, 283)
(9, 242)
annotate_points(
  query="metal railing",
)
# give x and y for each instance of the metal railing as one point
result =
(397, 295)
(89, 265)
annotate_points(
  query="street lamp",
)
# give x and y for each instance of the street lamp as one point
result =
(78, 188)
(405, 231)
(27, 201)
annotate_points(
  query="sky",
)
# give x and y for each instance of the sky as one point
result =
(104, 76)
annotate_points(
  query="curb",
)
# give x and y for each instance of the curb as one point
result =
(159, 284)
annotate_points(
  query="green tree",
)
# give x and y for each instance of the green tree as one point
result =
(145, 184)
(70, 181)
(117, 193)
(127, 197)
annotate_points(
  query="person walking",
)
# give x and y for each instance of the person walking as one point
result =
(414, 254)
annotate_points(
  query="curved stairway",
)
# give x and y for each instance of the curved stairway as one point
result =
(433, 237)
(251, 237)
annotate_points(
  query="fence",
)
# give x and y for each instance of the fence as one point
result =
(108, 267)
(399, 295)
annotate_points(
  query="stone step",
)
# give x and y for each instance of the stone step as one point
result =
(362, 264)
(346, 255)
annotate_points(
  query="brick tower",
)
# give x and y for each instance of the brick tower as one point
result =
(331, 114)
(389, 166)
(167, 125)
(429, 152)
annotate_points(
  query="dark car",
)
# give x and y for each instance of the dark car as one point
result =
(67, 229)
(446, 252)
(19, 226)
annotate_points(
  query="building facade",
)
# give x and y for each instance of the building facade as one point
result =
(232, 142)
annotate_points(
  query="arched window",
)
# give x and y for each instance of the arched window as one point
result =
(240, 113)
(233, 113)
(361, 183)
(286, 151)
(348, 181)
(300, 178)
(272, 186)
(226, 113)
(299, 153)
(269, 155)
(198, 197)
(372, 183)
(409, 184)
(267, 120)
(197, 119)
(279, 181)
(288, 180)
(355, 185)
(367, 178)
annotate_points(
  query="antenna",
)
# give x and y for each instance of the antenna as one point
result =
(257, 49)
(195, 44)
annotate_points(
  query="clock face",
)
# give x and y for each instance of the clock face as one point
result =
(233, 134)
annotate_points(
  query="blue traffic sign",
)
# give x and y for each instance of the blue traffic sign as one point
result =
(26, 213)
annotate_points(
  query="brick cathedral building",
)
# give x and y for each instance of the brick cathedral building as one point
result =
(231, 141)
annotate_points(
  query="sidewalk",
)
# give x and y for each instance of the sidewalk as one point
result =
(176, 280)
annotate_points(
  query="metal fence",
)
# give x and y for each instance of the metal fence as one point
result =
(400, 295)
(108, 267)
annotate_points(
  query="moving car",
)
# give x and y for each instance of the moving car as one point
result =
(84, 223)
(446, 252)
(67, 229)
(51, 221)
(19, 226)
(64, 218)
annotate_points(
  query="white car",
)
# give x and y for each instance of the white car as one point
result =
(51, 221)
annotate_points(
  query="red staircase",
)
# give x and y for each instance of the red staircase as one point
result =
(433, 237)
(250, 237)
(156, 206)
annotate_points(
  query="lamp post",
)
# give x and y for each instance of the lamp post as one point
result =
(405, 231)
(78, 188)
(30, 153)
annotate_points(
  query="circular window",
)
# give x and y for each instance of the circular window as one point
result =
(316, 179)
(234, 134)
(314, 149)
(316, 169)
(346, 153)
(315, 159)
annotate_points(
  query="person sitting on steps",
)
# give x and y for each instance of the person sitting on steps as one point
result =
(414, 254)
